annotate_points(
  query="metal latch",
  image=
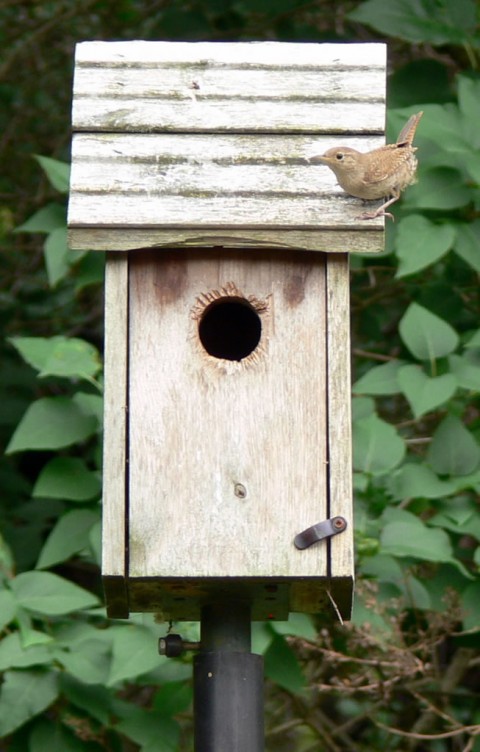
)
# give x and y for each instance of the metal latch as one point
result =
(321, 530)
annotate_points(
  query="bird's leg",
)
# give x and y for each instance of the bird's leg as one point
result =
(380, 212)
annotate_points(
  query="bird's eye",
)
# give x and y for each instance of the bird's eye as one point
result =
(339, 156)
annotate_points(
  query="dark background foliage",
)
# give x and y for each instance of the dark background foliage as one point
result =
(403, 675)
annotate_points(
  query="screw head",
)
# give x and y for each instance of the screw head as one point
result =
(339, 523)
(171, 646)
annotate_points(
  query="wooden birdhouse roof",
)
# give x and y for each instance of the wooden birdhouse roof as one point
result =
(207, 144)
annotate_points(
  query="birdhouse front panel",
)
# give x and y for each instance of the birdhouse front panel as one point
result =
(220, 450)
(228, 456)
(227, 460)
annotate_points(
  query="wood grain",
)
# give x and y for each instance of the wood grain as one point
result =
(236, 87)
(339, 411)
(199, 425)
(328, 240)
(208, 144)
(209, 190)
(195, 158)
(114, 535)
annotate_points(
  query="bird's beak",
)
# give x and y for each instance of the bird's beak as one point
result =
(319, 159)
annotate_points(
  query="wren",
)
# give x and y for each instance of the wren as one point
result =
(381, 173)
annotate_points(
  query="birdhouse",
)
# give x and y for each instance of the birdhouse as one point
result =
(227, 461)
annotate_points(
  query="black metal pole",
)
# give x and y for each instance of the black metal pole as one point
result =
(228, 683)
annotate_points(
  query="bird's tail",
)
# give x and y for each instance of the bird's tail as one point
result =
(407, 133)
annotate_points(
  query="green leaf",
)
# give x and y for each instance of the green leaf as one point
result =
(415, 593)
(7, 559)
(431, 84)
(424, 393)
(13, 654)
(51, 423)
(460, 515)
(90, 404)
(464, 482)
(67, 357)
(72, 633)
(25, 694)
(88, 662)
(443, 124)
(382, 567)
(67, 478)
(95, 542)
(363, 614)
(34, 637)
(386, 568)
(152, 731)
(438, 188)
(420, 243)
(453, 450)
(360, 482)
(95, 700)
(469, 161)
(57, 256)
(419, 21)
(134, 654)
(46, 593)
(362, 407)
(469, 102)
(466, 369)
(35, 350)
(47, 219)
(282, 666)
(380, 379)
(300, 625)
(470, 601)
(69, 536)
(474, 341)
(57, 172)
(417, 481)
(47, 735)
(468, 243)
(377, 446)
(72, 358)
(8, 608)
(413, 538)
(89, 270)
(448, 577)
(426, 335)
(173, 698)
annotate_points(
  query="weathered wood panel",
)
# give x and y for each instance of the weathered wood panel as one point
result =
(202, 427)
(191, 144)
(198, 145)
(339, 423)
(239, 54)
(267, 86)
(327, 240)
(244, 183)
(114, 543)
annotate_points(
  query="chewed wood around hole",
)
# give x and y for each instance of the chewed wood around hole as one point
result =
(230, 325)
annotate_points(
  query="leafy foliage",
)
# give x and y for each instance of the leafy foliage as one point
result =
(401, 675)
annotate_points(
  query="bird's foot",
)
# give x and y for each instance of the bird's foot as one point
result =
(374, 214)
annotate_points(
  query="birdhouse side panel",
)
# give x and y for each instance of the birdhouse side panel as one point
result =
(114, 536)
(339, 414)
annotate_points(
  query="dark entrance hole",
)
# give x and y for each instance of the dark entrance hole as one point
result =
(230, 328)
